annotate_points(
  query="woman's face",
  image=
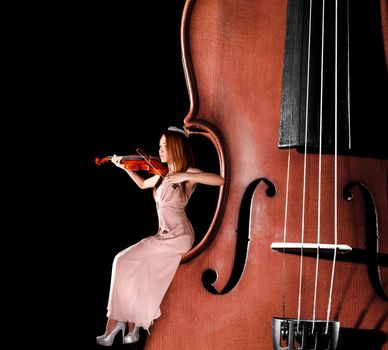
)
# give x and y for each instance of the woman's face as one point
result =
(163, 149)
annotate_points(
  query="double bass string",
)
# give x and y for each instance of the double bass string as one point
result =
(335, 167)
(320, 173)
(304, 168)
(285, 225)
(319, 166)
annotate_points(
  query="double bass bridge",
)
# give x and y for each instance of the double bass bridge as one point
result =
(298, 248)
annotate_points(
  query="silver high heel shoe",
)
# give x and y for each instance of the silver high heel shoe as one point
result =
(107, 340)
(132, 336)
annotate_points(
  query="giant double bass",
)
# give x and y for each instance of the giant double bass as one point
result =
(292, 95)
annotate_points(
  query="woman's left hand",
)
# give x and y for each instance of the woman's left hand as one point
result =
(173, 178)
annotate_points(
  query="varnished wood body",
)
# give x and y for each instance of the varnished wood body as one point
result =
(233, 59)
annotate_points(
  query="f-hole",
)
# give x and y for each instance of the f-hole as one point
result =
(209, 276)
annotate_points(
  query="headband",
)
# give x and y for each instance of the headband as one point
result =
(174, 128)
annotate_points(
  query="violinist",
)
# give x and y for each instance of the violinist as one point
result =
(142, 273)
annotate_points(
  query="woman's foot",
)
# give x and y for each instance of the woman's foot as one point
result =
(112, 328)
(133, 335)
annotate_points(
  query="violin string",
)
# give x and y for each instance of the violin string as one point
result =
(138, 150)
(304, 169)
(174, 185)
(335, 166)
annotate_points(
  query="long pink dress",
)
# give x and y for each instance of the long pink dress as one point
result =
(142, 273)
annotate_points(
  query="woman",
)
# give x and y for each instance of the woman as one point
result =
(142, 273)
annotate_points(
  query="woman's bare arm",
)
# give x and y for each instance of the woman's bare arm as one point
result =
(194, 175)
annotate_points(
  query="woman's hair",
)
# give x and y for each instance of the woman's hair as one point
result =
(179, 150)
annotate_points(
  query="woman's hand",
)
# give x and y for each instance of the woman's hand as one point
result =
(116, 160)
(173, 178)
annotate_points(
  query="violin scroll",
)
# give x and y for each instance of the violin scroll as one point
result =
(99, 161)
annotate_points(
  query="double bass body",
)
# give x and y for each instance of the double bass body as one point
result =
(225, 297)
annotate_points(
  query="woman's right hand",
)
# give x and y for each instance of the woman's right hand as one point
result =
(116, 160)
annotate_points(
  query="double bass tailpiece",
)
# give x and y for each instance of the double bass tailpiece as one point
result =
(291, 334)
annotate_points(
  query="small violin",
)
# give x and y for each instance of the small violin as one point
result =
(144, 162)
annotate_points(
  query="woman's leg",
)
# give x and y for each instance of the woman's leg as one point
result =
(131, 326)
(133, 334)
(110, 325)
